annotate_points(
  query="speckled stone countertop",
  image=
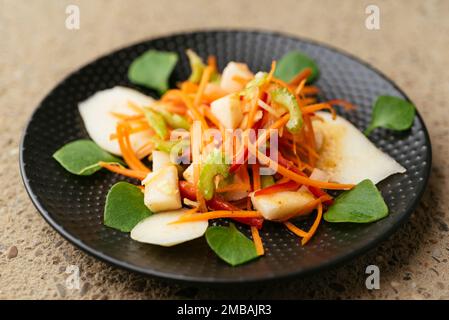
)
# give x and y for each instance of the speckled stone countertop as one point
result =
(37, 51)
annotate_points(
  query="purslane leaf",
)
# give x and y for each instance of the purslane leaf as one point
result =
(125, 207)
(152, 69)
(81, 157)
(391, 113)
(292, 63)
(231, 245)
(362, 204)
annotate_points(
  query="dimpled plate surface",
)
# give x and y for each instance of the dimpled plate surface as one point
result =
(73, 205)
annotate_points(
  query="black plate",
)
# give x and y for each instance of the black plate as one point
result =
(74, 205)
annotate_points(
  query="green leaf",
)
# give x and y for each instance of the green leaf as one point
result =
(362, 204)
(196, 65)
(152, 69)
(283, 97)
(125, 207)
(231, 245)
(392, 113)
(81, 157)
(294, 62)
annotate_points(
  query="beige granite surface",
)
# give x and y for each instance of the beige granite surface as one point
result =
(37, 51)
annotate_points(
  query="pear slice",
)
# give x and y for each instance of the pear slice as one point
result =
(348, 156)
(100, 123)
(157, 229)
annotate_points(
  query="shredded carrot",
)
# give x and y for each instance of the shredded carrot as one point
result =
(145, 150)
(268, 108)
(212, 62)
(218, 215)
(300, 87)
(209, 115)
(189, 87)
(319, 106)
(125, 147)
(278, 124)
(308, 101)
(116, 168)
(308, 207)
(256, 177)
(345, 104)
(257, 241)
(252, 112)
(272, 70)
(127, 117)
(135, 107)
(301, 76)
(310, 90)
(294, 176)
(191, 211)
(136, 129)
(315, 225)
(243, 81)
(188, 102)
(295, 229)
(203, 82)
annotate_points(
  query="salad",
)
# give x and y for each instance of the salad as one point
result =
(221, 152)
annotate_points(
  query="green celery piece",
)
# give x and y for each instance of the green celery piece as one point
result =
(283, 97)
(196, 65)
(157, 123)
(174, 120)
(362, 204)
(214, 165)
(152, 69)
(81, 157)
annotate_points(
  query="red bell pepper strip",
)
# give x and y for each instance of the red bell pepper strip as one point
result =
(217, 203)
(286, 186)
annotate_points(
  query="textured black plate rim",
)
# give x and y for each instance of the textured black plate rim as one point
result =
(193, 279)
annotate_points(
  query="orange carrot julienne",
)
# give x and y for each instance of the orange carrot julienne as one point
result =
(319, 106)
(345, 104)
(310, 90)
(300, 87)
(135, 107)
(212, 62)
(308, 207)
(127, 117)
(315, 225)
(295, 229)
(241, 80)
(218, 215)
(272, 70)
(257, 241)
(116, 168)
(125, 147)
(301, 76)
(294, 176)
(278, 124)
(203, 82)
(195, 112)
